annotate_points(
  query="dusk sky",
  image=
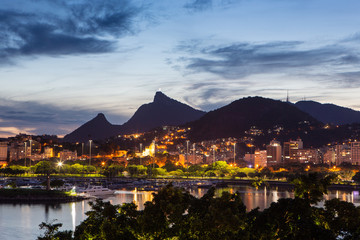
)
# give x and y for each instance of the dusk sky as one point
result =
(64, 61)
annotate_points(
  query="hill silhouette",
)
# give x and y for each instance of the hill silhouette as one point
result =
(162, 111)
(239, 116)
(98, 128)
(329, 113)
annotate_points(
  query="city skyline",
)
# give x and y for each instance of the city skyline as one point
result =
(62, 62)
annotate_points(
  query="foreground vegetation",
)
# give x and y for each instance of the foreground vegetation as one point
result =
(175, 214)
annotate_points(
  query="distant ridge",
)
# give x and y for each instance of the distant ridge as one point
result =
(329, 113)
(97, 128)
(162, 111)
(234, 119)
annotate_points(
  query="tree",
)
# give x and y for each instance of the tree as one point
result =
(44, 167)
(356, 177)
(169, 166)
(241, 175)
(289, 219)
(108, 222)
(162, 217)
(343, 218)
(77, 168)
(312, 187)
(52, 232)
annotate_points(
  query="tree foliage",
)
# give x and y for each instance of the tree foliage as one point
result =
(175, 214)
(312, 187)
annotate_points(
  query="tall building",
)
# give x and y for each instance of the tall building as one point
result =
(260, 158)
(329, 156)
(290, 150)
(342, 154)
(250, 158)
(3, 151)
(273, 153)
(355, 153)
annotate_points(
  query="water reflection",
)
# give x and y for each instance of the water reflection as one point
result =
(73, 215)
(21, 221)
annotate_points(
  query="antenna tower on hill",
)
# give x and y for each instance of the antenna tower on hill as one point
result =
(287, 96)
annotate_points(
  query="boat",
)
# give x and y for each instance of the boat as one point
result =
(97, 191)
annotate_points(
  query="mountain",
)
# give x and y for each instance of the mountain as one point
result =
(239, 116)
(162, 111)
(329, 113)
(97, 128)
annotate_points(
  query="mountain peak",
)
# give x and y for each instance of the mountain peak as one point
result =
(100, 115)
(160, 97)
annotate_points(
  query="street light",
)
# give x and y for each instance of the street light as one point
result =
(140, 152)
(214, 153)
(154, 141)
(187, 152)
(25, 152)
(234, 152)
(30, 150)
(194, 153)
(90, 153)
(59, 164)
(82, 150)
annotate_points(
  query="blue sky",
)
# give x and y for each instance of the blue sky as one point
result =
(63, 61)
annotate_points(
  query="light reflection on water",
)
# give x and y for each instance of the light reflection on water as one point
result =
(21, 221)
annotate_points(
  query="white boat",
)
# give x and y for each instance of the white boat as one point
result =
(97, 191)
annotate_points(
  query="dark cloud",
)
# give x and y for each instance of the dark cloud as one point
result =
(45, 118)
(240, 60)
(211, 95)
(203, 5)
(198, 5)
(349, 79)
(64, 27)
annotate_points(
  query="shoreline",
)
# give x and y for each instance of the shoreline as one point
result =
(32, 196)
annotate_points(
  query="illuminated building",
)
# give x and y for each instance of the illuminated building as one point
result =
(355, 153)
(48, 152)
(249, 157)
(149, 151)
(342, 154)
(17, 151)
(290, 149)
(329, 156)
(3, 151)
(307, 156)
(260, 158)
(273, 153)
(67, 155)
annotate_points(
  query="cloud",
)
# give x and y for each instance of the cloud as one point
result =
(11, 131)
(64, 27)
(240, 60)
(198, 5)
(36, 118)
(349, 79)
(204, 5)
